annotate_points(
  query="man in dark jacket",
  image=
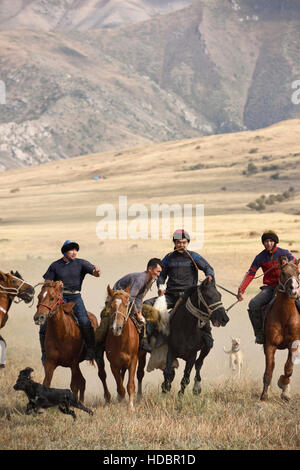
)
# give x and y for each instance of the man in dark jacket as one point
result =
(181, 268)
(71, 271)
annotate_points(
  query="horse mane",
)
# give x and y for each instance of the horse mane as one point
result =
(49, 283)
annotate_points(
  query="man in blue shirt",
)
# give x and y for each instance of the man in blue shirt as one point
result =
(71, 271)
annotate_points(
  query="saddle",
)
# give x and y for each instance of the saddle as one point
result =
(68, 310)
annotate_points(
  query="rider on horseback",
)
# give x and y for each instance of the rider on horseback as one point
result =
(268, 261)
(139, 283)
(181, 268)
(71, 271)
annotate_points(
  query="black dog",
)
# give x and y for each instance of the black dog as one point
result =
(44, 397)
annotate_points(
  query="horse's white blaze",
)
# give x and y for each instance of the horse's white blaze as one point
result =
(3, 310)
(45, 293)
(118, 303)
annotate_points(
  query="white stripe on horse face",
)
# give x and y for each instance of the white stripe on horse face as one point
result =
(45, 293)
(118, 303)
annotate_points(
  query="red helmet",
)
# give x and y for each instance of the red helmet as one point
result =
(180, 234)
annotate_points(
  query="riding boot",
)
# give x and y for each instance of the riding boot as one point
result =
(144, 344)
(88, 335)
(257, 324)
(42, 343)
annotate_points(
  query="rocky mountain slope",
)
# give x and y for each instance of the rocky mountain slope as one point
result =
(214, 66)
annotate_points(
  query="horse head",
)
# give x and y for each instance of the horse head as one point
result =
(289, 277)
(214, 306)
(49, 300)
(119, 304)
(13, 285)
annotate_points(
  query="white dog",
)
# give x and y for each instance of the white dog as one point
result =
(236, 355)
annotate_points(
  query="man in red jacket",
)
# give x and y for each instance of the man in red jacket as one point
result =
(268, 261)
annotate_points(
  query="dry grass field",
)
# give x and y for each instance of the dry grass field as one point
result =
(44, 205)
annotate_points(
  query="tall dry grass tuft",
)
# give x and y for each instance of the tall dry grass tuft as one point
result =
(227, 415)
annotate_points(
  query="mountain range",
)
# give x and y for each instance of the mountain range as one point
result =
(85, 77)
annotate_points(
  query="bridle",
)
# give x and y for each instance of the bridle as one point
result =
(282, 285)
(13, 291)
(203, 316)
(53, 308)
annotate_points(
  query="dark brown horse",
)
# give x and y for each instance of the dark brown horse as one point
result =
(12, 285)
(282, 326)
(63, 340)
(121, 346)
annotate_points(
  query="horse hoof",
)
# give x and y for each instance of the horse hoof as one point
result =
(285, 397)
(264, 398)
(166, 387)
(197, 388)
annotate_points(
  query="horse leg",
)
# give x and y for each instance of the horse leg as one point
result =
(49, 367)
(77, 382)
(187, 372)
(169, 372)
(102, 377)
(198, 364)
(131, 385)
(284, 380)
(141, 370)
(270, 363)
(118, 378)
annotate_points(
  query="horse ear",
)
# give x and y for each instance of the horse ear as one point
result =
(128, 289)
(110, 291)
(282, 260)
(3, 276)
(60, 284)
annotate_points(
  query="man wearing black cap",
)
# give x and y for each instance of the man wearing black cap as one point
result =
(267, 260)
(71, 271)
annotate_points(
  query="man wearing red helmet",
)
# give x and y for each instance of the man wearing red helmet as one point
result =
(267, 260)
(181, 267)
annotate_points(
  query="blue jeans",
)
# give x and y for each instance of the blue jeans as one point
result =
(78, 309)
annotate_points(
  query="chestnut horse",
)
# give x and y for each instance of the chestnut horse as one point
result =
(63, 340)
(121, 345)
(12, 285)
(282, 326)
